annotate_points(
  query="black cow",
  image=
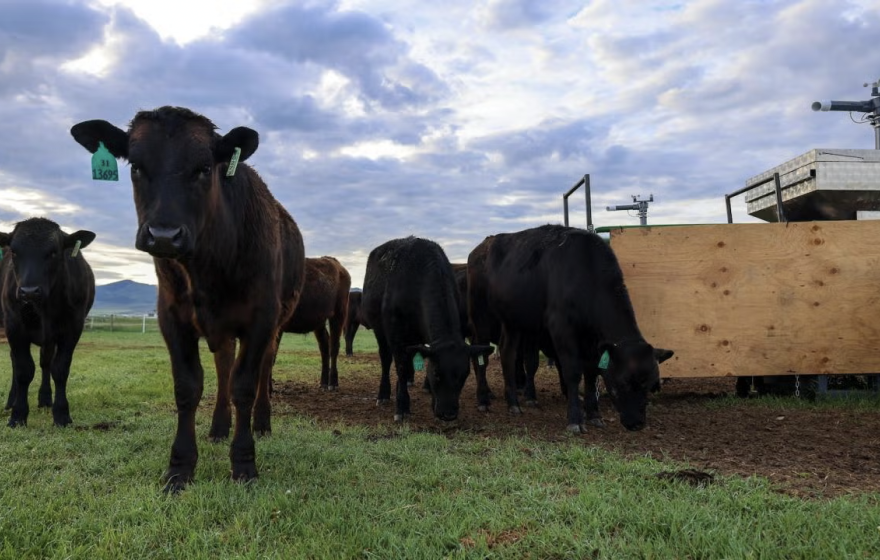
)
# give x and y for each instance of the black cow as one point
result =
(353, 321)
(230, 263)
(566, 284)
(47, 293)
(411, 301)
(485, 328)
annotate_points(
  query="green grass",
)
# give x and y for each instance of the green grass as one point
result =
(94, 491)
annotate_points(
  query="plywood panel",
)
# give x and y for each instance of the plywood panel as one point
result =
(757, 299)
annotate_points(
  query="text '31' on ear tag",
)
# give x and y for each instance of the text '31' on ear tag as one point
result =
(418, 362)
(605, 360)
(104, 165)
(233, 163)
(76, 248)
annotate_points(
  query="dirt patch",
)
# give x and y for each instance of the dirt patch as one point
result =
(804, 452)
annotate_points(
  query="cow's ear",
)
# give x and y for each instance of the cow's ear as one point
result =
(662, 354)
(5, 239)
(83, 236)
(240, 137)
(90, 133)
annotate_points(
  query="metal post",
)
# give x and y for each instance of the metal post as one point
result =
(780, 212)
(589, 204)
(565, 208)
(729, 213)
(144, 327)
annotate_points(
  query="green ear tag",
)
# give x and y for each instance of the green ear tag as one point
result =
(233, 163)
(604, 360)
(418, 362)
(104, 165)
(76, 248)
(480, 360)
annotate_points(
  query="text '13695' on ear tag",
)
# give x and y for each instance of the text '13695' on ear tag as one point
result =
(104, 165)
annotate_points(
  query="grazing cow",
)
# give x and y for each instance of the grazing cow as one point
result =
(566, 284)
(48, 289)
(485, 328)
(230, 264)
(353, 321)
(324, 301)
(411, 300)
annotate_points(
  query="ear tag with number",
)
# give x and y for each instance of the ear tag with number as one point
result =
(104, 165)
(76, 247)
(605, 360)
(233, 163)
(480, 360)
(418, 362)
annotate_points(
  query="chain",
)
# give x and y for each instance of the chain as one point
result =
(797, 386)
(597, 390)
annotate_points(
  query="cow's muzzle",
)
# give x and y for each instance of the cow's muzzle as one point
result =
(163, 242)
(30, 293)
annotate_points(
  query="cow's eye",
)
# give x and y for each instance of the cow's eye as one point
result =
(202, 171)
(137, 170)
(52, 254)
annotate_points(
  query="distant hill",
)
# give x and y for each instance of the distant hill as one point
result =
(125, 297)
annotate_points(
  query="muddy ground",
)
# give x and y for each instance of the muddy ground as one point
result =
(810, 453)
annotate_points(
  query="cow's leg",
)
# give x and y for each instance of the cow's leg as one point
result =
(335, 334)
(251, 372)
(405, 373)
(350, 330)
(10, 398)
(182, 341)
(44, 395)
(224, 359)
(60, 373)
(591, 399)
(520, 370)
(509, 347)
(23, 369)
(324, 347)
(484, 394)
(262, 404)
(530, 365)
(385, 356)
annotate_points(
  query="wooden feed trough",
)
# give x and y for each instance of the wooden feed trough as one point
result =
(757, 299)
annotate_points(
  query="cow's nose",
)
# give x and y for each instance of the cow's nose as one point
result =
(165, 236)
(29, 293)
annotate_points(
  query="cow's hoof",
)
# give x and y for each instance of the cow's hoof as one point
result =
(483, 408)
(401, 417)
(382, 402)
(598, 422)
(263, 431)
(244, 472)
(516, 410)
(532, 402)
(332, 388)
(216, 434)
(575, 429)
(175, 483)
(64, 421)
(16, 423)
(324, 387)
(44, 401)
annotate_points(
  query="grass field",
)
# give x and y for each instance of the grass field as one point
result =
(93, 490)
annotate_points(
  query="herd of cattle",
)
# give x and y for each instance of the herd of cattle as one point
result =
(231, 267)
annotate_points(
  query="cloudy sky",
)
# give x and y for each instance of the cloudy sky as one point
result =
(449, 120)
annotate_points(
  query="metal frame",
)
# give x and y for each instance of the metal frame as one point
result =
(585, 181)
(780, 211)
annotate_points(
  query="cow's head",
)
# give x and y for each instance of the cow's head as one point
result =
(632, 372)
(178, 167)
(36, 247)
(447, 368)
